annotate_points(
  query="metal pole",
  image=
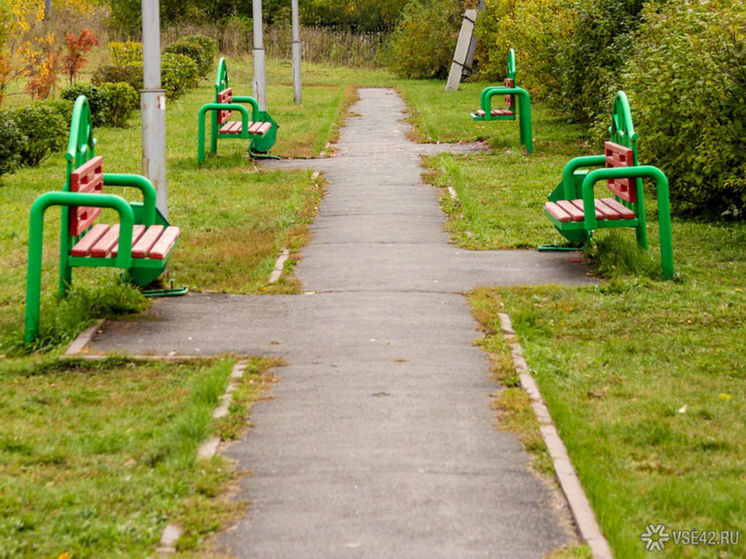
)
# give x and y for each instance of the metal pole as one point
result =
(153, 105)
(260, 81)
(297, 90)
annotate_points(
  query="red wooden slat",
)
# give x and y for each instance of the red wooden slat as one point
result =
(579, 204)
(558, 213)
(84, 245)
(606, 211)
(502, 112)
(106, 243)
(165, 242)
(225, 96)
(260, 128)
(620, 156)
(137, 232)
(623, 210)
(231, 127)
(509, 99)
(146, 242)
(87, 178)
(570, 208)
(480, 112)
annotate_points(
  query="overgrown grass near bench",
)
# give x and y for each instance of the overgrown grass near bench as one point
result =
(646, 379)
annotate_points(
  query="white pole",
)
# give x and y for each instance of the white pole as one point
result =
(153, 105)
(260, 80)
(297, 90)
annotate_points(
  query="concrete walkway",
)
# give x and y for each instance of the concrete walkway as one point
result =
(381, 441)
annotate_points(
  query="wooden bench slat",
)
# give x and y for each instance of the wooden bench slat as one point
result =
(137, 232)
(606, 211)
(502, 112)
(88, 178)
(225, 96)
(570, 208)
(231, 127)
(509, 99)
(579, 204)
(94, 234)
(557, 212)
(620, 156)
(260, 128)
(623, 210)
(146, 242)
(106, 243)
(165, 242)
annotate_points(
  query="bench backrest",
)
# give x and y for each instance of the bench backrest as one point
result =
(621, 156)
(509, 99)
(621, 151)
(225, 96)
(89, 178)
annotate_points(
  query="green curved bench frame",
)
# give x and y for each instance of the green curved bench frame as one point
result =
(578, 181)
(258, 145)
(523, 105)
(80, 149)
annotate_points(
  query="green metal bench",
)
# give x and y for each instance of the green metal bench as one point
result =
(510, 91)
(141, 243)
(576, 213)
(258, 126)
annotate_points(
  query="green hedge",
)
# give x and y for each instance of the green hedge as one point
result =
(424, 41)
(31, 133)
(687, 86)
(111, 103)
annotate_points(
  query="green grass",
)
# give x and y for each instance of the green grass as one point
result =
(645, 379)
(95, 459)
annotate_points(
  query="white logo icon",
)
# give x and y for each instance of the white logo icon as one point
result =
(655, 537)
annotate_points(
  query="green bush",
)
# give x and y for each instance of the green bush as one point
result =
(11, 143)
(193, 50)
(131, 74)
(178, 72)
(111, 104)
(96, 102)
(424, 41)
(590, 62)
(687, 87)
(121, 99)
(125, 54)
(535, 30)
(44, 127)
(208, 44)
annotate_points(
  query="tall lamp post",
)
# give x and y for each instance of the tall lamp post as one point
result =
(260, 80)
(297, 91)
(153, 105)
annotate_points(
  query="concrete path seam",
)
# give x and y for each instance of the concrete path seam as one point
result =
(582, 512)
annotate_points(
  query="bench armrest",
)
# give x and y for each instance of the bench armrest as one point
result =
(251, 101)
(141, 183)
(36, 238)
(568, 182)
(664, 208)
(485, 99)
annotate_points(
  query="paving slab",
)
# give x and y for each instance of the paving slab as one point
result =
(380, 440)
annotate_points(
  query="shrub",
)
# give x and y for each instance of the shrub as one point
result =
(131, 74)
(11, 143)
(208, 44)
(423, 43)
(111, 104)
(178, 72)
(121, 99)
(591, 62)
(535, 30)
(687, 86)
(125, 54)
(193, 50)
(44, 127)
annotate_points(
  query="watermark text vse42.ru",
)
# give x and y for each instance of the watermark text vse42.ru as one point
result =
(656, 536)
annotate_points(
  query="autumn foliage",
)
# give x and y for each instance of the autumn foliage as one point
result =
(76, 50)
